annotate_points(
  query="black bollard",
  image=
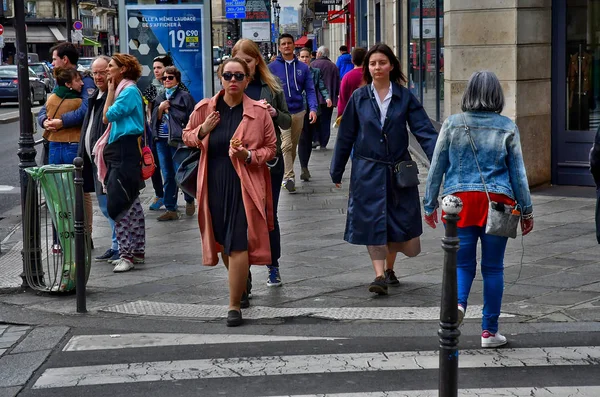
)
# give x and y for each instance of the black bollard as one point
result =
(448, 332)
(32, 252)
(79, 237)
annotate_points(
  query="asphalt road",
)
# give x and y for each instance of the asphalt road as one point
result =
(386, 358)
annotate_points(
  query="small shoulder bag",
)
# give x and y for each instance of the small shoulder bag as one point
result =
(502, 219)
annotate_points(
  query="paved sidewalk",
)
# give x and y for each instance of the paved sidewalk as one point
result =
(23, 350)
(557, 281)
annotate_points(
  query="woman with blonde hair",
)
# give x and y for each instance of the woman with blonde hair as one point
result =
(264, 86)
(236, 138)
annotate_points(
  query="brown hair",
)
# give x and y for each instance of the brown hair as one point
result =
(396, 74)
(133, 69)
(233, 60)
(173, 71)
(65, 75)
(251, 48)
(305, 49)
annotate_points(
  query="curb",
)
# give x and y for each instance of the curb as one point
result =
(14, 116)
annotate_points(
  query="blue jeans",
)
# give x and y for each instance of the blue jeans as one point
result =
(492, 270)
(62, 152)
(102, 204)
(168, 168)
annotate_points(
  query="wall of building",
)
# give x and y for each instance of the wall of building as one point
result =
(512, 38)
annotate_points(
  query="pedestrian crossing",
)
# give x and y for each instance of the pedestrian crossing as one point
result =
(157, 364)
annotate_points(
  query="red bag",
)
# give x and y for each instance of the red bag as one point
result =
(148, 164)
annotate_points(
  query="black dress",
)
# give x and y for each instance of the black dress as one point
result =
(229, 222)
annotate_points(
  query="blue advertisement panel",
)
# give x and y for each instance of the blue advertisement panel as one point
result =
(178, 31)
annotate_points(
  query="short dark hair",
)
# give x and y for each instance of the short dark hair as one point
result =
(343, 48)
(173, 71)
(358, 56)
(65, 75)
(483, 93)
(66, 50)
(396, 73)
(305, 49)
(285, 36)
(166, 60)
(313, 54)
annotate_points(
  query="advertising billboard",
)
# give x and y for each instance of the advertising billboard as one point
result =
(181, 31)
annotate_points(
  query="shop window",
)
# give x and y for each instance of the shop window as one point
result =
(583, 65)
(425, 54)
(30, 9)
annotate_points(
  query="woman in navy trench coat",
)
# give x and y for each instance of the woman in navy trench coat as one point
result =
(384, 218)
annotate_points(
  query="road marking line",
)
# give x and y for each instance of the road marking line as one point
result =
(310, 364)
(148, 308)
(6, 188)
(576, 391)
(125, 341)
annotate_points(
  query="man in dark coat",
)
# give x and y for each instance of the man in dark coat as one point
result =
(331, 77)
(91, 130)
(595, 170)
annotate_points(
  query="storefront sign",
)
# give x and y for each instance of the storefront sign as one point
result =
(336, 16)
(179, 31)
(331, 2)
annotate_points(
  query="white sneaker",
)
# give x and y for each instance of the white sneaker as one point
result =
(461, 314)
(123, 265)
(492, 340)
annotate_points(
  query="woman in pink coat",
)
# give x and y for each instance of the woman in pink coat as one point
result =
(236, 138)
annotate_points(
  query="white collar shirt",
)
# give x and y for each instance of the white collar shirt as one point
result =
(383, 105)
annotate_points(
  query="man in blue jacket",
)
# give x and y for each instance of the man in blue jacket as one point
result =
(295, 78)
(344, 61)
(67, 55)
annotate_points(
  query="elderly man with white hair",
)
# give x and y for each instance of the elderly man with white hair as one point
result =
(331, 77)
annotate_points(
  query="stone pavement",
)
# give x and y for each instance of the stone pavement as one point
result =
(23, 349)
(552, 275)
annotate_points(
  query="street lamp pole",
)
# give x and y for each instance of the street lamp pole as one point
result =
(32, 252)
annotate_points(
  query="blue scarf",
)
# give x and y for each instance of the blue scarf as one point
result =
(170, 91)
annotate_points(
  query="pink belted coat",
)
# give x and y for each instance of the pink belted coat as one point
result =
(257, 134)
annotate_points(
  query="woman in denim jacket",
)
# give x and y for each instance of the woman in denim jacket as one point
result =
(498, 148)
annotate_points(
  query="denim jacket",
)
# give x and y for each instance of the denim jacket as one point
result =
(499, 154)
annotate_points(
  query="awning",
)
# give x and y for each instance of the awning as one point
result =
(37, 34)
(59, 32)
(90, 42)
(301, 42)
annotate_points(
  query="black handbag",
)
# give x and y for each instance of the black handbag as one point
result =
(187, 173)
(406, 174)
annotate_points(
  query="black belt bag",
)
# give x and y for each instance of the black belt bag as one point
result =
(406, 174)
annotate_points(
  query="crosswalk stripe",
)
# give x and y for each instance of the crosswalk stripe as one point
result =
(124, 341)
(310, 364)
(167, 309)
(579, 391)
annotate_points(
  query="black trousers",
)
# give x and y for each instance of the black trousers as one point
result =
(275, 235)
(157, 182)
(309, 131)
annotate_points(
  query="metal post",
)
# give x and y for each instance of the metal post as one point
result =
(448, 332)
(26, 153)
(79, 237)
(69, 10)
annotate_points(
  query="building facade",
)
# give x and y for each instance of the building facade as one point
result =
(546, 54)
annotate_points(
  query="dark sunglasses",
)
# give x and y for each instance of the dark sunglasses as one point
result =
(238, 76)
(170, 78)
